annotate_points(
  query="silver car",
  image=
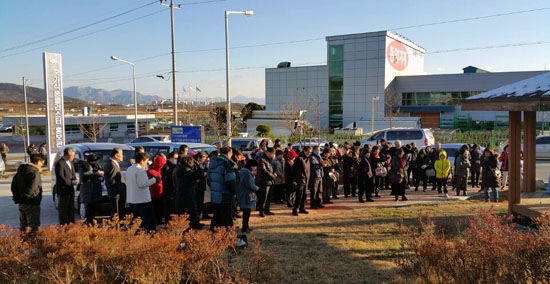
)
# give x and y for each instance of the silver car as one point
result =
(104, 152)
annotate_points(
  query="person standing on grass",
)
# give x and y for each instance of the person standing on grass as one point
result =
(246, 190)
(301, 174)
(116, 184)
(475, 168)
(264, 179)
(442, 168)
(328, 174)
(316, 179)
(290, 190)
(398, 168)
(461, 171)
(221, 174)
(139, 195)
(489, 176)
(422, 162)
(365, 174)
(65, 185)
(26, 188)
(279, 182)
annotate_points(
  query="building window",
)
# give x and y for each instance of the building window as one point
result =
(72, 129)
(113, 127)
(436, 98)
(336, 85)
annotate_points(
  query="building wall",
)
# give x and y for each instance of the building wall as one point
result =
(299, 88)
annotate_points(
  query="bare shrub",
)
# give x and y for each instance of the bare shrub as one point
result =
(119, 252)
(490, 250)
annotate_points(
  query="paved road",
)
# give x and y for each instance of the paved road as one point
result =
(9, 214)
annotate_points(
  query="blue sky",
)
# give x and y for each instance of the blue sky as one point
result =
(496, 35)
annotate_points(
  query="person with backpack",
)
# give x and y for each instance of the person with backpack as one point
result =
(26, 188)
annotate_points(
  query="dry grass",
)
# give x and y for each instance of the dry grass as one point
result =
(352, 246)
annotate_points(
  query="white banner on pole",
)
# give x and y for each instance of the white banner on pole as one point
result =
(55, 114)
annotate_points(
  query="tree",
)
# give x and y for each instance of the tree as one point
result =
(93, 127)
(263, 130)
(218, 120)
(248, 109)
(391, 101)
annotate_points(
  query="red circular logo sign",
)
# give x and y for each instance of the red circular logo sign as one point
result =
(397, 55)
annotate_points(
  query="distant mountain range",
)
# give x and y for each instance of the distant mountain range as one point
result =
(14, 93)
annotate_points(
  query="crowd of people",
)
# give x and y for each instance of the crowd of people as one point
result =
(236, 184)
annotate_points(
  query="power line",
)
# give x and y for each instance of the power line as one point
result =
(84, 35)
(470, 19)
(75, 29)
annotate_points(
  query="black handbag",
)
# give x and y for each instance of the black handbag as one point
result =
(396, 178)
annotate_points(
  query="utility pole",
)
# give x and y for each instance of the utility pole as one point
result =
(26, 117)
(174, 90)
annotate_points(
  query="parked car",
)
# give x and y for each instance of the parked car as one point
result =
(311, 142)
(6, 128)
(421, 136)
(542, 150)
(104, 152)
(166, 147)
(152, 138)
(245, 144)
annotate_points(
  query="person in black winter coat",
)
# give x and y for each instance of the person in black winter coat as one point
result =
(422, 163)
(188, 177)
(168, 192)
(91, 186)
(475, 168)
(264, 179)
(26, 188)
(365, 174)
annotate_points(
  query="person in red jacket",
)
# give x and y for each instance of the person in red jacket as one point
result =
(156, 189)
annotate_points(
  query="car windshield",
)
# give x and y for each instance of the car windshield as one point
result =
(104, 156)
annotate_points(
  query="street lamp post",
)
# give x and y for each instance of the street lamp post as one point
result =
(227, 13)
(372, 119)
(136, 125)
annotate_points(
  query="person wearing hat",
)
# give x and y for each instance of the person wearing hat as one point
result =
(91, 185)
(442, 168)
(289, 188)
(365, 176)
(396, 175)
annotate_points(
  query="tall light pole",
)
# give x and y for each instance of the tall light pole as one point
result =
(227, 85)
(372, 119)
(136, 125)
(174, 91)
(26, 115)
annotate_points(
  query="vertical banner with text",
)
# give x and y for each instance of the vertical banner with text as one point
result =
(55, 115)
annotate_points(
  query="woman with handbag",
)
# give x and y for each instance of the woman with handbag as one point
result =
(396, 174)
(246, 192)
(489, 174)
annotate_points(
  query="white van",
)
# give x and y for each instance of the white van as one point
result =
(166, 147)
(421, 136)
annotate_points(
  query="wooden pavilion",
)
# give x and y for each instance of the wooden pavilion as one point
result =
(522, 100)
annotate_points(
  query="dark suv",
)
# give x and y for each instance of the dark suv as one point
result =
(104, 152)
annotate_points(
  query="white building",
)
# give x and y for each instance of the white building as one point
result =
(110, 126)
(377, 75)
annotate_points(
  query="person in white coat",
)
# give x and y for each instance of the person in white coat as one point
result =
(138, 194)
